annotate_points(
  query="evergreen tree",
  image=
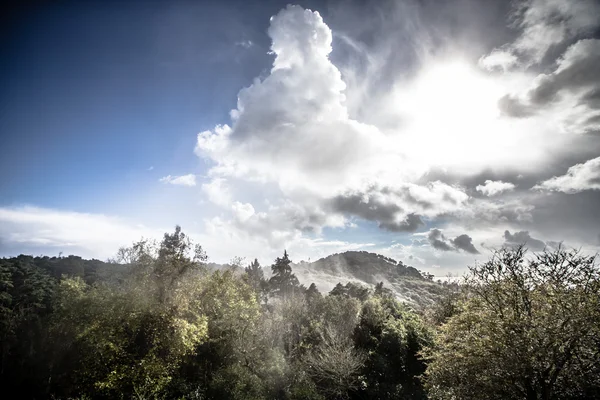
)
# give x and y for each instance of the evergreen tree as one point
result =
(283, 281)
(254, 274)
(312, 293)
(255, 277)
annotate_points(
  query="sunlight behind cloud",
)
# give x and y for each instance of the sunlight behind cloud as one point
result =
(453, 121)
(453, 115)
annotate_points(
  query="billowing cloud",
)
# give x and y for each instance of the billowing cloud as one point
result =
(492, 188)
(292, 129)
(499, 59)
(523, 238)
(564, 96)
(465, 242)
(574, 83)
(543, 24)
(440, 242)
(294, 134)
(578, 178)
(400, 209)
(218, 192)
(183, 180)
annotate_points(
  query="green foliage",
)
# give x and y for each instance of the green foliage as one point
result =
(255, 277)
(255, 274)
(529, 329)
(446, 306)
(351, 290)
(25, 303)
(124, 345)
(283, 282)
(393, 337)
(154, 323)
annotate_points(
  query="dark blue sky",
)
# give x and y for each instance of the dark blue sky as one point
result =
(95, 93)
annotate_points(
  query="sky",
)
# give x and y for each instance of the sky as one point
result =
(431, 132)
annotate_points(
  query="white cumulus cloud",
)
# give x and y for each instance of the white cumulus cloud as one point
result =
(492, 188)
(218, 192)
(292, 129)
(579, 177)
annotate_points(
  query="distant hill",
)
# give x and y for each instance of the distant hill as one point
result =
(89, 270)
(407, 283)
(365, 266)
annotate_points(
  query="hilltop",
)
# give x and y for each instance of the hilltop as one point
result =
(408, 283)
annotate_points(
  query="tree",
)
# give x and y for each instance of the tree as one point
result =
(529, 329)
(177, 255)
(26, 294)
(115, 343)
(351, 290)
(392, 336)
(255, 274)
(128, 338)
(312, 293)
(283, 282)
(334, 364)
(255, 277)
(446, 306)
(238, 361)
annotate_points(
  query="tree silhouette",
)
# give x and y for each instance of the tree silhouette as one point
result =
(283, 282)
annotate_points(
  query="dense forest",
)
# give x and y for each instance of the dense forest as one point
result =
(156, 322)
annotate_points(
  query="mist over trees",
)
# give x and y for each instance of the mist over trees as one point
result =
(157, 322)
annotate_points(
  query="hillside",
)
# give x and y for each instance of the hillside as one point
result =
(407, 283)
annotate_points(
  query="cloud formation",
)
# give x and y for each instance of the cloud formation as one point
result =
(574, 83)
(543, 24)
(567, 94)
(440, 242)
(218, 192)
(292, 129)
(523, 238)
(465, 242)
(401, 208)
(294, 134)
(53, 231)
(328, 144)
(492, 188)
(578, 178)
(183, 180)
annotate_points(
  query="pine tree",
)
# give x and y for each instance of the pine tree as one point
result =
(283, 282)
(312, 292)
(254, 274)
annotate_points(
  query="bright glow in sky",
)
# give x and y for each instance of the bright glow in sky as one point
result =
(316, 128)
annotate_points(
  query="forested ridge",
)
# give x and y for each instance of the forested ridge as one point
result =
(157, 322)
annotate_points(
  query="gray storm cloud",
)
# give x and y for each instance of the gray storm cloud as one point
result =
(440, 242)
(523, 238)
